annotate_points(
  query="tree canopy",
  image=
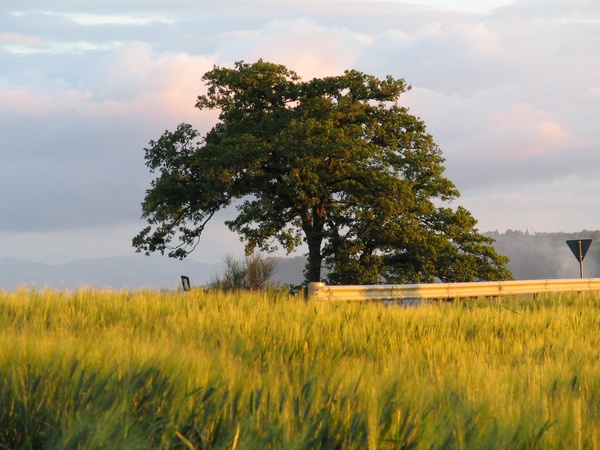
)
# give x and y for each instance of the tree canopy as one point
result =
(334, 162)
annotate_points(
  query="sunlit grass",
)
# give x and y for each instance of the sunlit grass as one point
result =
(118, 369)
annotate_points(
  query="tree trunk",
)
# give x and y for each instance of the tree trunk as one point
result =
(314, 259)
(313, 225)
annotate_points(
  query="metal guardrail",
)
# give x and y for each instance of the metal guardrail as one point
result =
(320, 291)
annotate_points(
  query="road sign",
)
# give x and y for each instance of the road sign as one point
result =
(579, 247)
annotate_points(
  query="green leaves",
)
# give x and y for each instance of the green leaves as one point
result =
(334, 161)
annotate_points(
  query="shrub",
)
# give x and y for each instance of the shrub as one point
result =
(253, 273)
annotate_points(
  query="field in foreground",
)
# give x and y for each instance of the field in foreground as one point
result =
(136, 370)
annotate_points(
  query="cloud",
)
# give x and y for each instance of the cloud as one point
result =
(462, 58)
(510, 94)
(308, 48)
(494, 138)
(21, 101)
(504, 97)
(18, 39)
(522, 131)
(481, 7)
(554, 11)
(105, 19)
(81, 163)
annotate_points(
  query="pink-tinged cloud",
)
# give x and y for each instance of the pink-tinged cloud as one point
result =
(526, 132)
(157, 85)
(31, 103)
(130, 82)
(302, 45)
(19, 39)
(594, 92)
(494, 125)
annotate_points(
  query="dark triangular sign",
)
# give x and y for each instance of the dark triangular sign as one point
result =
(579, 247)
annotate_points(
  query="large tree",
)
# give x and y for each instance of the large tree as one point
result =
(335, 162)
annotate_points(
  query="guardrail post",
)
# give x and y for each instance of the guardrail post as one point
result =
(313, 289)
(185, 283)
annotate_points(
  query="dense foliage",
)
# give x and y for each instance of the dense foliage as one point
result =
(335, 162)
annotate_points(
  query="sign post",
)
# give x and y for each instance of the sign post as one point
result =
(185, 282)
(579, 247)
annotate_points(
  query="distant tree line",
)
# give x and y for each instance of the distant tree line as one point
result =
(546, 255)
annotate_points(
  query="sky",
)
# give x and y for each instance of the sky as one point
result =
(509, 90)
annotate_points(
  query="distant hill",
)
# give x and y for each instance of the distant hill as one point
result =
(132, 272)
(117, 272)
(532, 256)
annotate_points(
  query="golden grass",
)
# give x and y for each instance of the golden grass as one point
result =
(91, 369)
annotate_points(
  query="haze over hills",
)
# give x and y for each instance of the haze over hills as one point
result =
(532, 256)
(131, 272)
(540, 256)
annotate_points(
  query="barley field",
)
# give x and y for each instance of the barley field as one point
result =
(94, 369)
